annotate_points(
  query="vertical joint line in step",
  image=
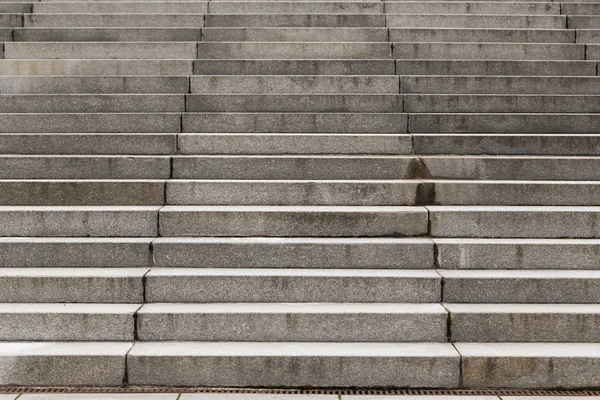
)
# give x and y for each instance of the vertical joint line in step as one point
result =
(460, 367)
(126, 372)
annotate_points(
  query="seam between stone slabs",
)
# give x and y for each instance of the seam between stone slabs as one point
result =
(126, 373)
(460, 366)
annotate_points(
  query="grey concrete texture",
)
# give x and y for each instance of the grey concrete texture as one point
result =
(95, 67)
(592, 52)
(113, 21)
(344, 103)
(101, 50)
(514, 222)
(10, 20)
(65, 221)
(292, 50)
(294, 364)
(294, 221)
(580, 9)
(63, 364)
(293, 122)
(72, 285)
(121, 7)
(529, 365)
(72, 193)
(483, 35)
(289, 7)
(247, 285)
(521, 286)
(588, 36)
(107, 34)
(496, 67)
(18, 7)
(82, 103)
(74, 252)
(84, 167)
(515, 144)
(351, 193)
(558, 254)
(472, 7)
(476, 21)
(271, 144)
(292, 322)
(322, 253)
(583, 21)
(93, 123)
(524, 322)
(6, 34)
(296, 66)
(293, 84)
(296, 20)
(298, 34)
(67, 322)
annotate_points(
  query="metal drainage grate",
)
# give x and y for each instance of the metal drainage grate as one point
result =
(405, 392)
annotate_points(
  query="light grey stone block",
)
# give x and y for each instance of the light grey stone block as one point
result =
(367, 253)
(339, 322)
(102, 50)
(296, 20)
(66, 322)
(265, 144)
(74, 252)
(496, 67)
(514, 221)
(562, 254)
(72, 285)
(107, 34)
(68, 192)
(95, 67)
(101, 86)
(298, 34)
(529, 365)
(298, 67)
(78, 221)
(521, 286)
(248, 285)
(289, 7)
(294, 364)
(524, 322)
(121, 7)
(9, 20)
(482, 34)
(292, 221)
(592, 52)
(293, 50)
(160, 20)
(477, 21)
(472, 7)
(63, 364)
(588, 36)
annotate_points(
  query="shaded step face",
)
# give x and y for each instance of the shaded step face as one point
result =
(516, 68)
(482, 35)
(222, 285)
(121, 7)
(99, 85)
(296, 67)
(90, 50)
(344, 322)
(46, 67)
(113, 20)
(107, 35)
(51, 103)
(476, 21)
(475, 7)
(296, 20)
(282, 34)
(288, 7)
(489, 51)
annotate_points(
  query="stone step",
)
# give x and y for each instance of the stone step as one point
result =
(291, 50)
(67, 221)
(423, 20)
(503, 254)
(297, 20)
(121, 7)
(296, 7)
(247, 285)
(294, 364)
(507, 103)
(320, 253)
(518, 85)
(300, 67)
(490, 51)
(515, 144)
(472, 7)
(578, 68)
(85, 103)
(291, 322)
(282, 34)
(521, 286)
(583, 21)
(6, 34)
(84, 167)
(293, 84)
(18, 7)
(103, 87)
(64, 363)
(268, 102)
(107, 34)
(81, 192)
(72, 285)
(581, 8)
(558, 365)
(287, 122)
(316, 221)
(482, 34)
(96, 67)
(515, 222)
(74, 252)
(273, 143)
(11, 20)
(92, 50)
(588, 36)
(97, 20)
(504, 123)
(68, 322)
(592, 52)
(88, 143)
(524, 322)
(93, 123)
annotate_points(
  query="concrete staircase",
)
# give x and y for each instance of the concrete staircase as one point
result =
(300, 193)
